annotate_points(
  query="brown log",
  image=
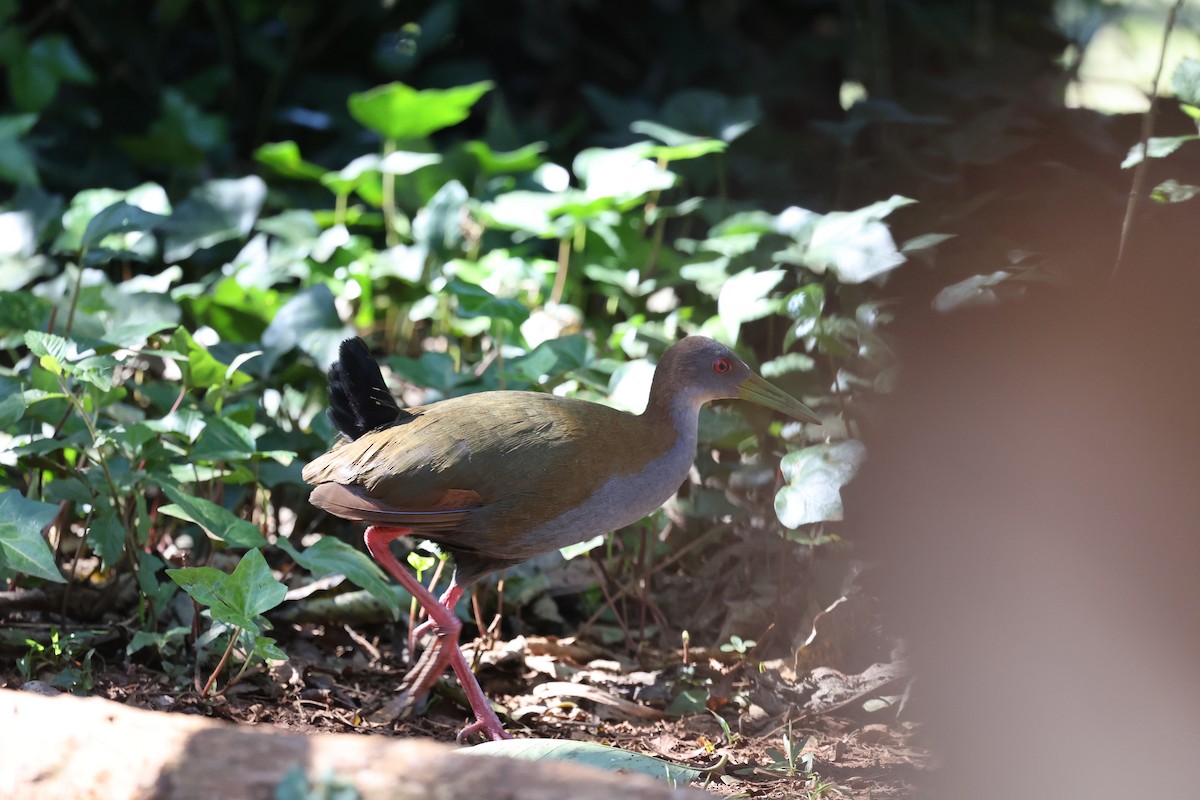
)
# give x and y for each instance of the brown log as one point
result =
(72, 748)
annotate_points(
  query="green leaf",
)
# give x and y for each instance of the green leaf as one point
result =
(310, 322)
(398, 111)
(224, 440)
(580, 548)
(31, 82)
(977, 290)
(530, 212)
(1185, 81)
(524, 159)
(1172, 191)
(202, 370)
(256, 590)
(475, 301)
(48, 345)
(1156, 147)
(106, 535)
(216, 520)
(623, 174)
(855, 245)
(284, 158)
(237, 599)
(405, 163)
(677, 145)
(212, 213)
(330, 556)
(22, 546)
(12, 408)
(590, 754)
(120, 217)
(746, 296)
(438, 226)
(707, 113)
(16, 160)
(183, 134)
(815, 476)
(149, 198)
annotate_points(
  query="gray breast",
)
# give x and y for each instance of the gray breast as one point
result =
(621, 501)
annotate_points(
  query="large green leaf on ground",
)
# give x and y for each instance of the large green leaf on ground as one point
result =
(22, 547)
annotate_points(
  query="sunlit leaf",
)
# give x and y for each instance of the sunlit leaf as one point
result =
(236, 599)
(1172, 191)
(310, 322)
(212, 213)
(284, 158)
(398, 111)
(1156, 147)
(815, 476)
(747, 296)
(1185, 81)
(120, 217)
(524, 159)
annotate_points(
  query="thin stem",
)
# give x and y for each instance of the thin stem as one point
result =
(221, 664)
(1139, 171)
(560, 277)
(75, 296)
(389, 198)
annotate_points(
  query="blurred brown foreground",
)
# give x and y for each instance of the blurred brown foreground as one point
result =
(1034, 521)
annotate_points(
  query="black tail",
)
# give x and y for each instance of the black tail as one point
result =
(359, 400)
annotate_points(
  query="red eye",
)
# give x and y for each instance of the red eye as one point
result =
(721, 366)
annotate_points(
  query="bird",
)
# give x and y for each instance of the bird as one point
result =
(498, 477)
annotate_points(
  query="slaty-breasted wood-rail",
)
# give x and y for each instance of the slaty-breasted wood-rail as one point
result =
(496, 478)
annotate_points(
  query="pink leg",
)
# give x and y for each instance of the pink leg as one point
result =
(447, 626)
(449, 599)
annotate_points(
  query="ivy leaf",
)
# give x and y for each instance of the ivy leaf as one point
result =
(106, 535)
(284, 158)
(16, 160)
(1156, 147)
(218, 521)
(330, 556)
(120, 217)
(815, 476)
(746, 297)
(214, 212)
(398, 111)
(309, 321)
(224, 440)
(1185, 81)
(22, 546)
(237, 599)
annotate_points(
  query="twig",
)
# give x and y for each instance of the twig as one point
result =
(1139, 171)
(221, 664)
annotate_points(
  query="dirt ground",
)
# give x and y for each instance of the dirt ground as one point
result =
(759, 729)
